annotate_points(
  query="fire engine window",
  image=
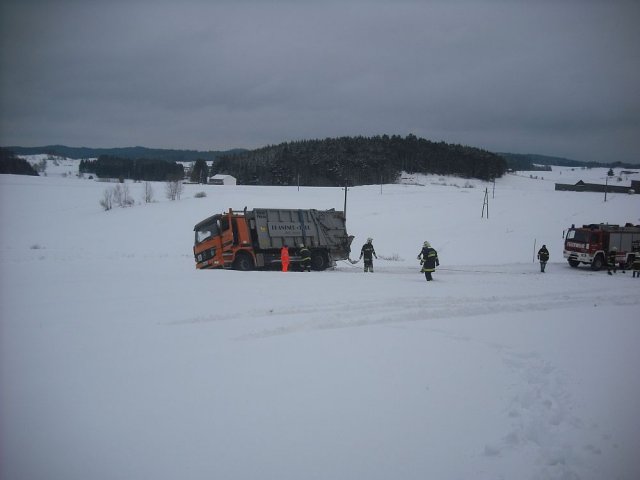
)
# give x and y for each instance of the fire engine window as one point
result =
(224, 224)
(594, 238)
(578, 236)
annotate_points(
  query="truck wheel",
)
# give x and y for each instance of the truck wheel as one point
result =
(597, 263)
(243, 262)
(319, 261)
(574, 263)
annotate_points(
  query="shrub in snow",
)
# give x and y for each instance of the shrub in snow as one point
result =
(200, 195)
(106, 202)
(121, 195)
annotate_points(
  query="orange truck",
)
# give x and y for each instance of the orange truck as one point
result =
(252, 239)
(591, 244)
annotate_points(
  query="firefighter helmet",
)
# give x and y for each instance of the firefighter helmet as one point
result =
(426, 244)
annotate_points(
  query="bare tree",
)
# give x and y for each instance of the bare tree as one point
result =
(107, 199)
(122, 196)
(127, 201)
(148, 192)
(117, 195)
(174, 189)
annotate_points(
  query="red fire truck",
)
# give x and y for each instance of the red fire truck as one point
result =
(591, 244)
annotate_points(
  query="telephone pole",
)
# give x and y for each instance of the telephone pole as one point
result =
(346, 188)
(486, 202)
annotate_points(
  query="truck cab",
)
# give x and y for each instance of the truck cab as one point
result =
(223, 240)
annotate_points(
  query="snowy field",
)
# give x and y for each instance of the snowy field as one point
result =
(118, 360)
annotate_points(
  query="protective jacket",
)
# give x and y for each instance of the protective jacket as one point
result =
(305, 254)
(429, 259)
(284, 258)
(543, 255)
(368, 251)
(305, 259)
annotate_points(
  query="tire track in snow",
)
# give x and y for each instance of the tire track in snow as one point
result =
(409, 309)
(541, 409)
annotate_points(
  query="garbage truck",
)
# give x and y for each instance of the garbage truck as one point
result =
(252, 239)
(591, 244)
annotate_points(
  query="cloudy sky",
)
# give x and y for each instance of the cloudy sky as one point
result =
(555, 77)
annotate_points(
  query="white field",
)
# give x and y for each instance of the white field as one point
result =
(118, 360)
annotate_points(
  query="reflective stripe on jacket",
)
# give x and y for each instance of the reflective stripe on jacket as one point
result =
(429, 259)
(305, 254)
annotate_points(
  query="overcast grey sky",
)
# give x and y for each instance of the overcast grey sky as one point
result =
(550, 77)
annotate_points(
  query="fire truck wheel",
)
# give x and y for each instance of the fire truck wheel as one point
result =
(243, 262)
(597, 262)
(574, 263)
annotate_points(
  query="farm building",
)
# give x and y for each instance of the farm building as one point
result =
(222, 180)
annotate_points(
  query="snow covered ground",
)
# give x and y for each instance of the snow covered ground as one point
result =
(118, 360)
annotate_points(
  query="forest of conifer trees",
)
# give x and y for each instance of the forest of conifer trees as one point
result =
(357, 161)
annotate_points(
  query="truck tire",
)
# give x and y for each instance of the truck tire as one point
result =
(319, 260)
(597, 263)
(243, 262)
(574, 263)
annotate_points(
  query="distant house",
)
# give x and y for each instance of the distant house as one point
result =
(596, 187)
(222, 180)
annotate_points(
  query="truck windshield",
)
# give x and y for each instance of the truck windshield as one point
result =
(206, 231)
(578, 236)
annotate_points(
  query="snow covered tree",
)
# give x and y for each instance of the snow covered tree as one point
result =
(200, 172)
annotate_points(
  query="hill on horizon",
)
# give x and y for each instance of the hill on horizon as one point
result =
(515, 161)
(174, 155)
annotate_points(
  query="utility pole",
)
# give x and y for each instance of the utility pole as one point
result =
(346, 188)
(606, 186)
(486, 202)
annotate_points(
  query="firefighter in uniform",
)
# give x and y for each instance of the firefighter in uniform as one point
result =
(305, 258)
(284, 257)
(429, 260)
(611, 261)
(368, 252)
(543, 256)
